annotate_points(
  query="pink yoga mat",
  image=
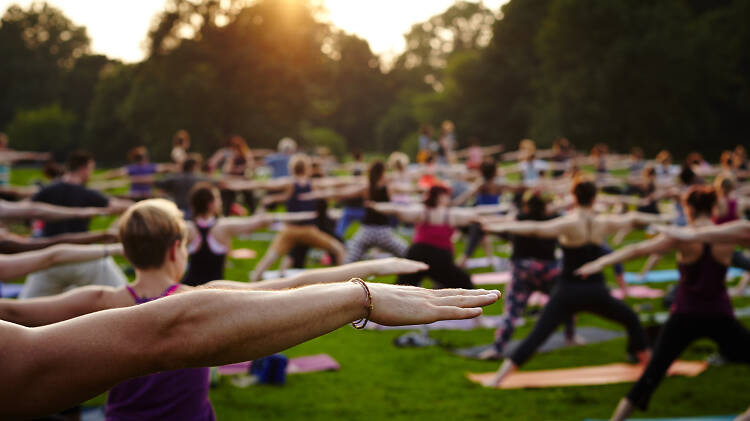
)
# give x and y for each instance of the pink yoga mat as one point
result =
(638, 291)
(586, 376)
(243, 254)
(309, 364)
(491, 278)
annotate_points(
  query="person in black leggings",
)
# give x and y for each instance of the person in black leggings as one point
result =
(580, 234)
(701, 309)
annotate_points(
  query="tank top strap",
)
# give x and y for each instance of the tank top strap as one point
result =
(135, 296)
(170, 290)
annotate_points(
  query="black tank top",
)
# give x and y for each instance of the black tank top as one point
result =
(295, 204)
(533, 247)
(575, 257)
(373, 217)
(204, 265)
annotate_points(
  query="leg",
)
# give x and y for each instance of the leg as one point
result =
(280, 246)
(556, 310)
(359, 244)
(444, 272)
(732, 337)
(604, 305)
(387, 240)
(678, 332)
(516, 297)
(414, 252)
(227, 199)
(312, 236)
(475, 237)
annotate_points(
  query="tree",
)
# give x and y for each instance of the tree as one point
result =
(38, 46)
(46, 129)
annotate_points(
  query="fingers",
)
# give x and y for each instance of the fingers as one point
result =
(448, 292)
(467, 301)
(457, 313)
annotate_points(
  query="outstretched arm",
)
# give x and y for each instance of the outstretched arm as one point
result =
(39, 210)
(22, 244)
(657, 245)
(43, 311)
(364, 269)
(16, 265)
(544, 229)
(732, 232)
(52, 367)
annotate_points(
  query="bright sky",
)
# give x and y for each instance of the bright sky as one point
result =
(118, 28)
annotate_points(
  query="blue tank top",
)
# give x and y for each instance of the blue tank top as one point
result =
(295, 204)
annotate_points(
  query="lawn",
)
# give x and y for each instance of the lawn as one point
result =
(379, 381)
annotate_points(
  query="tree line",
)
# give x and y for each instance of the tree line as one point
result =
(669, 74)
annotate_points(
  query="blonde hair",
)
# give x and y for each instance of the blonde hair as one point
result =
(398, 161)
(148, 229)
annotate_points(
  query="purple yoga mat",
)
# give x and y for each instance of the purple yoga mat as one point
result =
(466, 324)
(309, 364)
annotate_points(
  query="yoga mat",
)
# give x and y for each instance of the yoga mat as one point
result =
(10, 290)
(636, 291)
(706, 418)
(309, 364)
(242, 254)
(465, 324)
(491, 278)
(592, 335)
(275, 274)
(478, 262)
(586, 376)
(668, 275)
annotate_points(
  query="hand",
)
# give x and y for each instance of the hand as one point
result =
(589, 269)
(681, 234)
(114, 249)
(396, 266)
(397, 305)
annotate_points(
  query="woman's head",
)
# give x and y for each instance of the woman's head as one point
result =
(153, 236)
(376, 172)
(699, 201)
(205, 200)
(138, 155)
(437, 196)
(300, 165)
(584, 191)
(398, 161)
(664, 157)
(181, 139)
(287, 146)
(488, 169)
(534, 204)
(723, 185)
(238, 145)
(727, 158)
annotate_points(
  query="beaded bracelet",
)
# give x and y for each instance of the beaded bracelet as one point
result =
(361, 323)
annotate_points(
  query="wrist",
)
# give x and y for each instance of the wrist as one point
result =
(362, 301)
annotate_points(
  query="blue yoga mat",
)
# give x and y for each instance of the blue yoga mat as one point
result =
(668, 275)
(707, 418)
(10, 290)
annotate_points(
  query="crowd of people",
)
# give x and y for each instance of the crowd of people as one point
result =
(561, 211)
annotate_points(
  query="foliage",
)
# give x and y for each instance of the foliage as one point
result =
(324, 137)
(44, 129)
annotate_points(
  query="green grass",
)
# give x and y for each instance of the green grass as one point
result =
(380, 381)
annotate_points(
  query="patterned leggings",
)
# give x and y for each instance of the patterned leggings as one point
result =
(529, 275)
(369, 236)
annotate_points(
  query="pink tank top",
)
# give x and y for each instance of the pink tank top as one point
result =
(434, 235)
(730, 215)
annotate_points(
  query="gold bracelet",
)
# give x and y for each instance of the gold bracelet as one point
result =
(361, 323)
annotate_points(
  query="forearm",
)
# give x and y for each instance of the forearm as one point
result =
(195, 329)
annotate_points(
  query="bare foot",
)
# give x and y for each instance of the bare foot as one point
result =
(492, 382)
(575, 341)
(489, 354)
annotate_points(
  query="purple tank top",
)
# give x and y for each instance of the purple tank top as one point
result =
(141, 169)
(702, 290)
(169, 395)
